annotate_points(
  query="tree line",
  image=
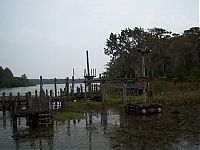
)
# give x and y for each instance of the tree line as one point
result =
(8, 80)
(173, 55)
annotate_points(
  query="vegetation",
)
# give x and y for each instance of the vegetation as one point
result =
(81, 105)
(71, 110)
(176, 94)
(173, 55)
(8, 80)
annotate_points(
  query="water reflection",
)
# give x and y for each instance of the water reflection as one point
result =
(107, 129)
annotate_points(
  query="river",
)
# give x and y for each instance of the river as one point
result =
(109, 128)
(32, 89)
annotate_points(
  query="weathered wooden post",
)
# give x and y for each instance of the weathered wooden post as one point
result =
(72, 90)
(61, 93)
(143, 52)
(41, 84)
(42, 95)
(55, 86)
(81, 87)
(95, 87)
(3, 103)
(18, 96)
(67, 88)
(88, 73)
(14, 124)
(14, 114)
(51, 93)
(124, 93)
(55, 100)
(47, 93)
(103, 90)
(42, 92)
(26, 94)
(36, 94)
(144, 82)
(92, 87)
(10, 96)
(85, 91)
(78, 91)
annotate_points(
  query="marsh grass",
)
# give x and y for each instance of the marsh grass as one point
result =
(179, 94)
(81, 105)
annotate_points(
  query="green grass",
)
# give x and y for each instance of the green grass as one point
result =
(62, 116)
(81, 105)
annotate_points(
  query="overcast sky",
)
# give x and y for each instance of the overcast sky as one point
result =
(50, 37)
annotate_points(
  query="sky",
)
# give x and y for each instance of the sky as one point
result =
(50, 37)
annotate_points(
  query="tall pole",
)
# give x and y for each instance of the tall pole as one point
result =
(73, 85)
(144, 82)
(88, 73)
(88, 66)
(143, 52)
(143, 67)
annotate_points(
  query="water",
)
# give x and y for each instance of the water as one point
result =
(32, 89)
(109, 129)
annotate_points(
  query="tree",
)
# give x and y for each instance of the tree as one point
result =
(24, 76)
(171, 52)
(7, 73)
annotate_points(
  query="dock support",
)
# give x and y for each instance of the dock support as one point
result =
(55, 86)
(67, 88)
(72, 90)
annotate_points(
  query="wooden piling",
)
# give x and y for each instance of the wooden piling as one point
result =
(3, 101)
(81, 87)
(51, 93)
(36, 94)
(10, 96)
(72, 90)
(61, 93)
(55, 86)
(67, 88)
(124, 93)
(88, 66)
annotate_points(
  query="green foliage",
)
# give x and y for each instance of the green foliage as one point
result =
(162, 86)
(81, 105)
(7, 79)
(173, 55)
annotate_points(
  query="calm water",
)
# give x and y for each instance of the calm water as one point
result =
(109, 129)
(32, 89)
(106, 129)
